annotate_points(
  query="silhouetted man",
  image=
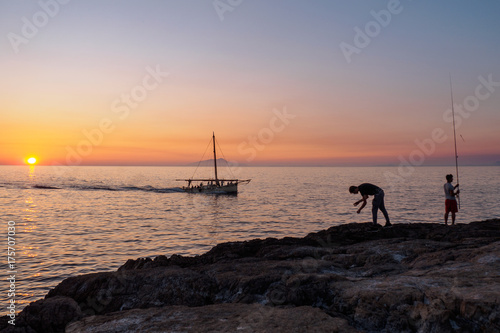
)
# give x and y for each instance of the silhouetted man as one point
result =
(367, 189)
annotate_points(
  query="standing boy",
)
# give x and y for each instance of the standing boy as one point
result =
(451, 201)
(367, 189)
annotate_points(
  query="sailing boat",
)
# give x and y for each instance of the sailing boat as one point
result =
(213, 185)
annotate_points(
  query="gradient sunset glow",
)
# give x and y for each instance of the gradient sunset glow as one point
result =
(280, 83)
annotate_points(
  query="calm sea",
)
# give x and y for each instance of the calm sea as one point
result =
(88, 219)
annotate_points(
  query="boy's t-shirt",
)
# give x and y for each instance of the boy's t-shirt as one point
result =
(447, 188)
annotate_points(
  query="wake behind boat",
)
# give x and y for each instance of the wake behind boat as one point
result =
(214, 185)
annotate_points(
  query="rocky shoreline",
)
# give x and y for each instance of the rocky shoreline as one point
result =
(351, 278)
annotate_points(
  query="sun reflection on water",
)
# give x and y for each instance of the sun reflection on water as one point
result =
(30, 215)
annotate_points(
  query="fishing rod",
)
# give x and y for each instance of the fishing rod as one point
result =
(455, 138)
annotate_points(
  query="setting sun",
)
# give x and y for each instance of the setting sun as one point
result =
(31, 160)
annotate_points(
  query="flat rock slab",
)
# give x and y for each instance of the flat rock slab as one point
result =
(213, 318)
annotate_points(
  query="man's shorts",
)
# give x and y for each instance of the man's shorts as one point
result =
(451, 206)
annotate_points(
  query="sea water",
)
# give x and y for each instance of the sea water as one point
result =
(80, 220)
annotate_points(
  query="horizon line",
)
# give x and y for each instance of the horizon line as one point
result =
(260, 165)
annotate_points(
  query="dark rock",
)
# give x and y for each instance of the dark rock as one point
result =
(108, 292)
(406, 278)
(46, 315)
(214, 318)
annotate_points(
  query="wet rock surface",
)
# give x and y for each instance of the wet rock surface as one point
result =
(355, 277)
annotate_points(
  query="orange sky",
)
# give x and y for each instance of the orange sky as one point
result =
(93, 87)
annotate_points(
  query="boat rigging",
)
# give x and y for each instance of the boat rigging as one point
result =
(214, 185)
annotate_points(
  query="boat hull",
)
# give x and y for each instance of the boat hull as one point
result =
(214, 185)
(212, 189)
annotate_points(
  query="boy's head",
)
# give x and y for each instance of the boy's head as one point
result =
(353, 189)
(449, 177)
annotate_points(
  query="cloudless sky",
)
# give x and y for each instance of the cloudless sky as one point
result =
(269, 77)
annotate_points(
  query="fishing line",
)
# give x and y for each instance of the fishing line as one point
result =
(455, 138)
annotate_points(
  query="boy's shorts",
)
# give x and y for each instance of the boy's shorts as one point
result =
(451, 206)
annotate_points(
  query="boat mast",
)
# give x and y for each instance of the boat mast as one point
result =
(215, 160)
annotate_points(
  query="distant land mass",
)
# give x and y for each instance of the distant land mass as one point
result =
(210, 163)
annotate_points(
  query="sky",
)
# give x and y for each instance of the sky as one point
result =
(283, 82)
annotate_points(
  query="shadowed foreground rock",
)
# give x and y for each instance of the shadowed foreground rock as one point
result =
(235, 317)
(355, 277)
